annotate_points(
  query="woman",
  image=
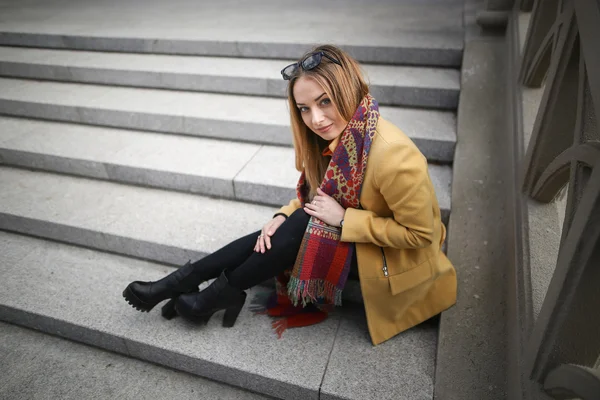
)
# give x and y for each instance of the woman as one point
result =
(365, 203)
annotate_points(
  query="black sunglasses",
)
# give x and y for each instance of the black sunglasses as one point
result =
(310, 62)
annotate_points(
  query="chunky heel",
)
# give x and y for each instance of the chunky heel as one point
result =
(219, 295)
(232, 313)
(168, 310)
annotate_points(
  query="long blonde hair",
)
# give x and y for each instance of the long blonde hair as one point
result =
(346, 88)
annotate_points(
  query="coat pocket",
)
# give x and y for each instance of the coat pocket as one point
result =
(407, 280)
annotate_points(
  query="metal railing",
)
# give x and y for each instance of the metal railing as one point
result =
(562, 52)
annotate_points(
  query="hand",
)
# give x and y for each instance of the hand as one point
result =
(263, 242)
(325, 208)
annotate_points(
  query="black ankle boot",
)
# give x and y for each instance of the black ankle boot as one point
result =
(143, 296)
(168, 311)
(199, 307)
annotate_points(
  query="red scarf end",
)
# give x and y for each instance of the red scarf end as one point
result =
(296, 321)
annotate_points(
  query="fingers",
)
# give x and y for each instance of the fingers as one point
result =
(315, 208)
(263, 242)
(310, 206)
(260, 244)
(257, 245)
(310, 210)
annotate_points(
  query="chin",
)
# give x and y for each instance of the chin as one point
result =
(332, 134)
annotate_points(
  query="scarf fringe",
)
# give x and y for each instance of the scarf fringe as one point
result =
(314, 291)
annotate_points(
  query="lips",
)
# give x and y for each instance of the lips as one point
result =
(326, 129)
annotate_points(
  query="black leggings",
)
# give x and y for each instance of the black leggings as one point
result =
(247, 268)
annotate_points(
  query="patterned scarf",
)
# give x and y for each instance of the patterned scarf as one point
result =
(323, 263)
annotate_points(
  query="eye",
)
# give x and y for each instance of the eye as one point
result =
(325, 102)
(303, 109)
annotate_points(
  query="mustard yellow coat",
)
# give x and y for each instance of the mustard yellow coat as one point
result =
(404, 277)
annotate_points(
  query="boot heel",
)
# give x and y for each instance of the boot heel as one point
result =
(168, 310)
(232, 313)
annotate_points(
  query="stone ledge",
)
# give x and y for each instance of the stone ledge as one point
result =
(472, 348)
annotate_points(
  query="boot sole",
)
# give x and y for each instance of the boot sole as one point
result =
(135, 302)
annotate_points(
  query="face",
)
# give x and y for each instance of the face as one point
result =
(318, 112)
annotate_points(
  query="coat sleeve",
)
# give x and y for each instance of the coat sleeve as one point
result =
(402, 178)
(293, 205)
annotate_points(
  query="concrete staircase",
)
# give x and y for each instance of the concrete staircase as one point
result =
(151, 135)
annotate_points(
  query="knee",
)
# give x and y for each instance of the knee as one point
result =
(294, 226)
(299, 216)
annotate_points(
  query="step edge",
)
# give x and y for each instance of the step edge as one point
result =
(402, 94)
(455, 37)
(443, 56)
(453, 82)
(271, 134)
(125, 346)
(117, 173)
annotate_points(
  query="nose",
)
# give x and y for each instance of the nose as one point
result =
(318, 117)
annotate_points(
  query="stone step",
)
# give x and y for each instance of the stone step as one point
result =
(75, 293)
(221, 116)
(395, 32)
(238, 171)
(416, 49)
(152, 224)
(393, 85)
(26, 355)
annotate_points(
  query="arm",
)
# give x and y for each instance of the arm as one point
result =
(402, 178)
(263, 242)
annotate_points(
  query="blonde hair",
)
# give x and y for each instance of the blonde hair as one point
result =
(345, 87)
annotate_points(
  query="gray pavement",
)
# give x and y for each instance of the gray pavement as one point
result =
(152, 224)
(36, 366)
(415, 32)
(392, 85)
(81, 301)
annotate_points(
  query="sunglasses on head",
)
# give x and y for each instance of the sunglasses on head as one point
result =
(308, 63)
